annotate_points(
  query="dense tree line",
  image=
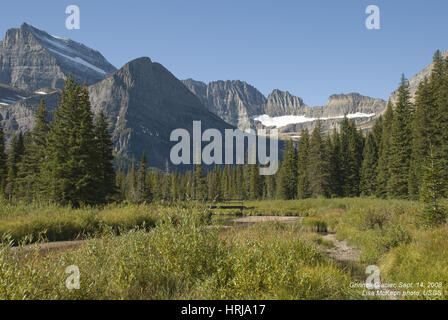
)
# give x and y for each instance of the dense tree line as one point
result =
(404, 156)
(66, 161)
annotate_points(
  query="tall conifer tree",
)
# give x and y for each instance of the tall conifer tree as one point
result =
(400, 144)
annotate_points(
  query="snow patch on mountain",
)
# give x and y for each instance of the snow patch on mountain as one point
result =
(80, 61)
(73, 51)
(283, 121)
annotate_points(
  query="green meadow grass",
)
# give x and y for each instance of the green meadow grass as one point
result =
(181, 259)
(31, 223)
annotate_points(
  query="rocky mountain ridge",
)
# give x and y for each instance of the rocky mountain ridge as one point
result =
(143, 103)
(416, 79)
(240, 104)
(31, 59)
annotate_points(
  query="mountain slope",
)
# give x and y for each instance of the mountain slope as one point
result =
(242, 105)
(9, 95)
(416, 79)
(233, 101)
(143, 102)
(31, 59)
(282, 103)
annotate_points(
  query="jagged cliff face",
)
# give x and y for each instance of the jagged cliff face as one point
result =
(282, 103)
(352, 103)
(145, 103)
(241, 105)
(416, 79)
(233, 101)
(363, 110)
(31, 59)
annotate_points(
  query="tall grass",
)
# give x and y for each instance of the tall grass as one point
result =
(180, 259)
(31, 223)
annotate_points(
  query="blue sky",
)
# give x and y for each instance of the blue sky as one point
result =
(311, 48)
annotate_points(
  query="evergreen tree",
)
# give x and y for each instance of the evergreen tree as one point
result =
(29, 177)
(423, 134)
(384, 153)
(142, 189)
(120, 183)
(256, 183)
(15, 155)
(369, 167)
(200, 188)
(270, 187)
(400, 144)
(303, 184)
(440, 83)
(72, 152)
(131, 184)
(433, 190)
(105, 170)
(318, 173)
(351, 144)
(242, 193)
(3, 161)
(334, 152)
(289, 173)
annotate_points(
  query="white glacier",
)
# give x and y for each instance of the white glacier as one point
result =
(283, 121)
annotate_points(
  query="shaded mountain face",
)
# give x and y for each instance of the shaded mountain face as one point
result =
(241, 105)
(31, 59)
(416, 79)
(9, 95)
(143, 102)
(233, 101)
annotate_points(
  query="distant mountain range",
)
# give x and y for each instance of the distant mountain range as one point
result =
(242, 105)
(144, 102)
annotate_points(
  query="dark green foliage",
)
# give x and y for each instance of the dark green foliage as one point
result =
(15, 155)
(30, 178)
(288, 173)
(405, 155)
(3, 161)
(77, 166)
(143, 191)
(256, 183)
(369, 167)
(335, 162)
(105, 170)
(302, 167)
(351, 145)
(200, 187)
(400, 144)
(318, 173)
(433, 190)
(384, 154)
(423, 134)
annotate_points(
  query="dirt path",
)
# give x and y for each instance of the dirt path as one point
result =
(257, 219)
(341, 250)
(49, 246)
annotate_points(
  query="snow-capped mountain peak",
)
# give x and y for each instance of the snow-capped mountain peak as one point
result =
(31, 59)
